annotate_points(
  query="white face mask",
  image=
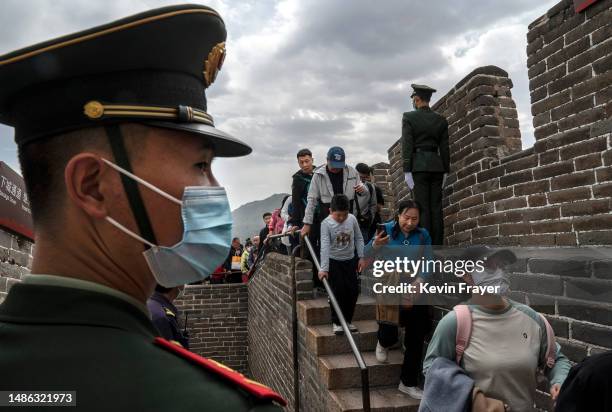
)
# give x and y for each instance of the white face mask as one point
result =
(496, 278)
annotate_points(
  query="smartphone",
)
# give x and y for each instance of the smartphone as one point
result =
(380, 227)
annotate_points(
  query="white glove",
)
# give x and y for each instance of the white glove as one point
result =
(409, 180)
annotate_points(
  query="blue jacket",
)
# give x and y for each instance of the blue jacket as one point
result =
(447, 388)
(404, 246)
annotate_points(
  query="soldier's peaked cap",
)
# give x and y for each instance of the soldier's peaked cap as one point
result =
(422, 91)
(150, 68)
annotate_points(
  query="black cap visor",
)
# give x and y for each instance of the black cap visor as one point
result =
(224, 145)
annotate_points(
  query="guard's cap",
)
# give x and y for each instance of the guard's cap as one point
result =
(424, 92)
(336, 157)
(150, 68)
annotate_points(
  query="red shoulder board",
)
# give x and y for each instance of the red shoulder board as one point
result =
(261, 391)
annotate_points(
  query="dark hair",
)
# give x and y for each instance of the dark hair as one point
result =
(407, 204)
(265, 215)
(363, 168)
(304, 152)
(236, 238)
(401, 207)
(339, 203)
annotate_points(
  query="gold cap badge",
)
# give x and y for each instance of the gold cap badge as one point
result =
(213, 63)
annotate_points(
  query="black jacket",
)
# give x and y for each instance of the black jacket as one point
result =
(588, 386)
(299, 192)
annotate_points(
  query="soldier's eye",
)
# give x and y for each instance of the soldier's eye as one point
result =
(203, 166)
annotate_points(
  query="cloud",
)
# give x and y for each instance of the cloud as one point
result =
(315, 73)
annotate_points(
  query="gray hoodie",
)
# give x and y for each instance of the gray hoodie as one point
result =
(321, 189)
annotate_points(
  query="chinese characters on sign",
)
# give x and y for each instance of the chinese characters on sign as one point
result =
(15, 213)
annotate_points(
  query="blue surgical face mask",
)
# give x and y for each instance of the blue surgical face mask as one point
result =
(207, 235)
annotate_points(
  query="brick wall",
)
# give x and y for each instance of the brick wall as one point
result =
(15, 260)
(381, 177)
(272, 334)
(217, 322)
(570, 72)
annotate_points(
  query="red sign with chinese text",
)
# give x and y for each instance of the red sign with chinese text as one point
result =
(580, 5)
(15, 213)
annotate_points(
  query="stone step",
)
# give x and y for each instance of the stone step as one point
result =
(382, 399)
(342, 372)
(320, 339)
(317, 311)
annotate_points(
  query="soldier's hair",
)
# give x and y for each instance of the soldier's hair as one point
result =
(339, 203)
(43, 162)
(304, 152)
(265, 215)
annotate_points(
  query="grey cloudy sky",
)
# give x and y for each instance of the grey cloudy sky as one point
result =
(316, 73)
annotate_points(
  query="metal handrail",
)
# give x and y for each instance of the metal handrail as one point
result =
(264, 245)
(365, 382)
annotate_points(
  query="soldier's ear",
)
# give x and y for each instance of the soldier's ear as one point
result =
(84, 184)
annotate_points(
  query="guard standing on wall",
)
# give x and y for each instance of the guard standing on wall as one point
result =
(426, 159)
(115, 145)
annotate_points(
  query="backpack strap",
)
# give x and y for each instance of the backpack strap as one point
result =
(370, 188)
(464, 330)
(551, 350)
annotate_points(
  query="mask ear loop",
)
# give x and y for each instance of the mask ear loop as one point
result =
(115, 139)
(143, 182)
(129, 232)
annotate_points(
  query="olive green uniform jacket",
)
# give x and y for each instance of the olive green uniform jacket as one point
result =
(422, 131)
(102, 346)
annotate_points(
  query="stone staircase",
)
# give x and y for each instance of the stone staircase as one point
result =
(337, 367)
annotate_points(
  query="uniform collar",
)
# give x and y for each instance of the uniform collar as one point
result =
(52, 280)
(33, 303)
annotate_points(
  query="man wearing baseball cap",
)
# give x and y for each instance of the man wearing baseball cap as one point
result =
(335, 177)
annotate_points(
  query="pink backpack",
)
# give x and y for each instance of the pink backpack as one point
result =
(464, 331)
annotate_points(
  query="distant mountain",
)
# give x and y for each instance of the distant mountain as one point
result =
(248, 217)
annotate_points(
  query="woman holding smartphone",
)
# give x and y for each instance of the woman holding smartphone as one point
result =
(404, 237)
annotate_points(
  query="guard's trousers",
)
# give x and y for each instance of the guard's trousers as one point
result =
(428, 193)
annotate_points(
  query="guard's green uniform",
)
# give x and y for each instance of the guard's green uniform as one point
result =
(425, 153)
(70, 335)
(58, 333)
